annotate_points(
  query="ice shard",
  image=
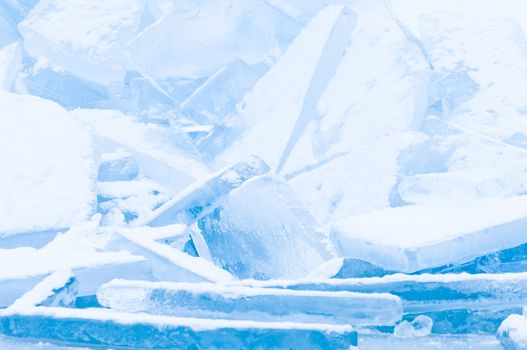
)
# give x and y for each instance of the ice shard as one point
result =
(246, 303)
(109, 328)
(60, 288)
(168, 263)
(203, 196)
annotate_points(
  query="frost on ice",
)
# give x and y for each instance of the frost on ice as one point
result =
(263, 174)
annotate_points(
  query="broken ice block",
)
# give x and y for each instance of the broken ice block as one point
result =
(246, 303)
(167, 263)
(417, 237)
(220, 94)
(41, 78)
(203, 196)
(89, 49)
(262, 231)
(60, 288)
(421, 326)
(109, 328)
(512, 333)
(197, 39)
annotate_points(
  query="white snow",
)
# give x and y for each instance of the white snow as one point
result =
(48, 169)
(512, 333)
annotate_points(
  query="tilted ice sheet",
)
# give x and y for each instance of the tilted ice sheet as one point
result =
(270, 110)
(416, 237)
(48, 177)
(250, 303)
(108, 328)
(315, 117)
(86, 38)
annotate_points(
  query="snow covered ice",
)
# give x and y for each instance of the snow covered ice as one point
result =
(263, 174)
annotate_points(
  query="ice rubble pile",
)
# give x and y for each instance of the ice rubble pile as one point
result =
(260, 174)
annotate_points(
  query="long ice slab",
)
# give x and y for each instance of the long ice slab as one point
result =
(103, 327)
(417, 237)
(245, 303)
(426, 293)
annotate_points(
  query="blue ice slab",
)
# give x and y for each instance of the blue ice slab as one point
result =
(203, 196)
(109, 328)
(432, 342)
(245, 303)
(457, 303)
(507, 260)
